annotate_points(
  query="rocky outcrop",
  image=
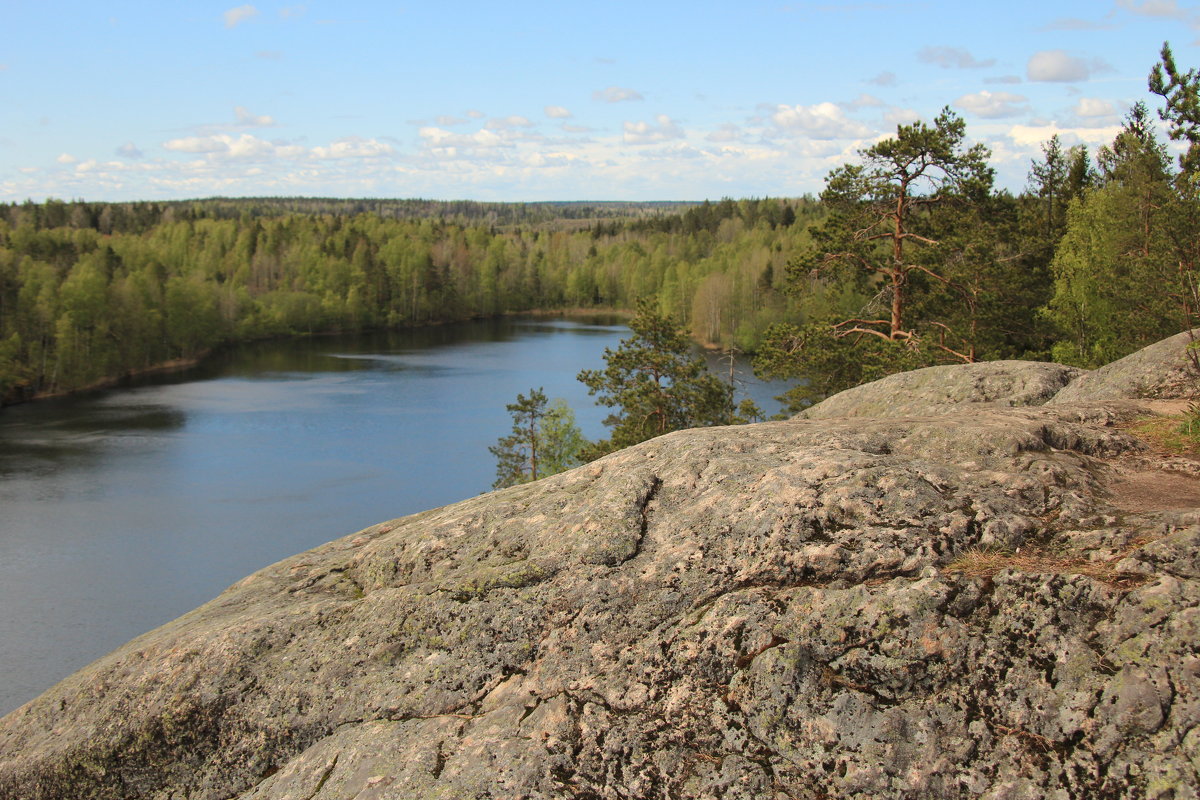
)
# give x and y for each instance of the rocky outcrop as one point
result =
(936, 390)
(1163, 370)
(961, 605)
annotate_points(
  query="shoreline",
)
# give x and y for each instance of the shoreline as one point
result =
(173, 365)
(182, 364)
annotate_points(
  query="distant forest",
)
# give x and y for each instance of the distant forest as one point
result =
(89, 291)
(909, 257)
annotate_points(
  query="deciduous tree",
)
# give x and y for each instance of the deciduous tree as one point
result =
(544, 441)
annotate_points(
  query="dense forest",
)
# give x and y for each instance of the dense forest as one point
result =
(909, 257)
(78, 305)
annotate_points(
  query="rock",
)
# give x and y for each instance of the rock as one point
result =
(781, 610)
(937, 390)
(1161, 371)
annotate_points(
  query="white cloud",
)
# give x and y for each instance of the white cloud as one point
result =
(197, 144)
(993, 105)
(616, 94)
(66, 158)
(865, 101)
(235, 16)
(247, 120)
(446, 120)
(820, 121)
(901, 116)
(557, 112)
(884, 79)
(439, 138)
(647, 133)
(129, 150)
(473, 114)
(1003, 79)
(1036, 135)
(1056, 65)
(1094, 107)
(725, 134)
(223, 145)
(952, 58)
(506, 123)
(1156, 8)
(247, 146)
(576, 128)
(92, 165)
(354, 147)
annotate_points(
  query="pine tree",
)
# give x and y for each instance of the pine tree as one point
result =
(878, 230)
(656, 384)
(1181, 91)
(544, 441)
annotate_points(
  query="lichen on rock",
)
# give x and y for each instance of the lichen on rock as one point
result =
(771, 611)
(937, 390)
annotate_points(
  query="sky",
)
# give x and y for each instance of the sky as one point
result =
(531, 100)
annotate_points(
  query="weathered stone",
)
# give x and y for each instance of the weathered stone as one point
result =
(1162, 370)
(769, 611)
(939, 390)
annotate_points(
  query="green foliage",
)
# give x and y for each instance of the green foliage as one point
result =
(881, 230)
(747, 412)
(544, 441)
(825, 363)
(1189, 425)
(656, 385)
(11, 372)
(561, 440)
(908, 269)
(1181, 92)
(1125, 269)
(1055, 180)
(100, 290)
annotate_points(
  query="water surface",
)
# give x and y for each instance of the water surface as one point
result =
(122, 510)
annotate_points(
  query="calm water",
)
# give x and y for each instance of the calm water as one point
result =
(122, 510)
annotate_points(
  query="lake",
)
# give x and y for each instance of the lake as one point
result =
(123, 509)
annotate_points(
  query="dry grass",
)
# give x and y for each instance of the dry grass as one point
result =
(985, 562)
(1178, 434)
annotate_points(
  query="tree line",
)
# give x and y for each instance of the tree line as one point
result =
(78, 305)
(909, 257)
(140, 216)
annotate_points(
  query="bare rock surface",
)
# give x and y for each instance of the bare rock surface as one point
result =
(936, 390)
(1162, 370)
(783, 610)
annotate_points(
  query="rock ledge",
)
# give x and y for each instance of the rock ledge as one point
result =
(784, 610)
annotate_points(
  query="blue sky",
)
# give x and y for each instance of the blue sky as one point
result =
(525, 100)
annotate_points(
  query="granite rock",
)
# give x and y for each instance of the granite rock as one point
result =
(935, 390)
(782, 610)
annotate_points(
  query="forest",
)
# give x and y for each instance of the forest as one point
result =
(909, 257)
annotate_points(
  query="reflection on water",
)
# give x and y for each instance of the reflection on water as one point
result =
(124, 509)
